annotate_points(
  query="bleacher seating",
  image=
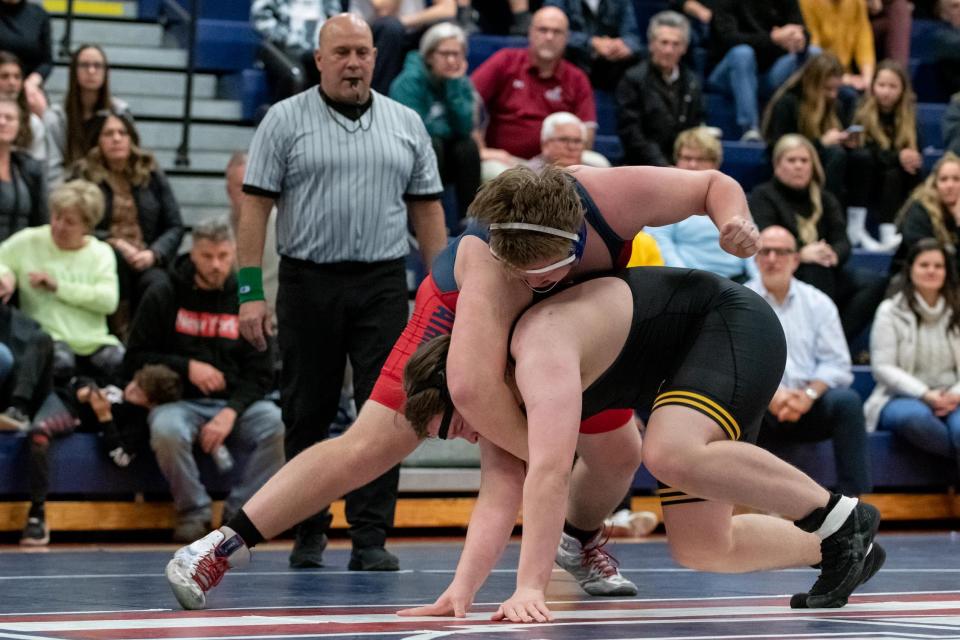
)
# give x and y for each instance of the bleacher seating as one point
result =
(226, 45)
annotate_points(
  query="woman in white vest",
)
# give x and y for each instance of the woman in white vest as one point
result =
(915, 353)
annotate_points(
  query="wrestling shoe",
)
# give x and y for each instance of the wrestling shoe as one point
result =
(846, 544)
(594, 569)
(198, 567)
(876, 556)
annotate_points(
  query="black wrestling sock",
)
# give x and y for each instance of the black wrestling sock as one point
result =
(582, 536)
(245, 529)
(812, 521)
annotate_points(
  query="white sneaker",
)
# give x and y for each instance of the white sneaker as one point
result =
(199, 566)
(594, 569)
(631, 524)
(752, 135)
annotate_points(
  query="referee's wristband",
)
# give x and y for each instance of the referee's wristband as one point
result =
(250, 280)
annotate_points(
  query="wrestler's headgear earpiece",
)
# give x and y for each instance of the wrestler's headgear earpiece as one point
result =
(438, 381)
(576, 250)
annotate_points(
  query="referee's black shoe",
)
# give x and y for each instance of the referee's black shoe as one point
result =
(308, 548)
(373, 559)
(844, 554)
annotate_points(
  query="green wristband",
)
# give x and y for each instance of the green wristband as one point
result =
(250, 280)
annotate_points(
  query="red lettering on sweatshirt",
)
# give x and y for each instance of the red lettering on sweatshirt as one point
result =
(208, 325)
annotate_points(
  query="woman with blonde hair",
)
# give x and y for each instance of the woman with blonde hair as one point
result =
(142, 218)
(796, 199)
(933, 210)
(809, 103)
(67, 281)
(887, 165)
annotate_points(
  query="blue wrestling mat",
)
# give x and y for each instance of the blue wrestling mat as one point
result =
(115, 593)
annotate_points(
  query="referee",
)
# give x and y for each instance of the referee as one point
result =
(345, 167)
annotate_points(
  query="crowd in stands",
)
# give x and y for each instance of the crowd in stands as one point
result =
(90, 232)
(106, 327)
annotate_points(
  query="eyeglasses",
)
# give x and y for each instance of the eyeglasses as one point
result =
(456, 55)
(776, 251)
(570, 142)
(91, 66)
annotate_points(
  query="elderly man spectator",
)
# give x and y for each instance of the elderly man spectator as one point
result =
(659, 97)
(757, 45)
(694, 243)
(434, 83)
(190, 325)
(397, 26)
(604, 38)
(521, 87)
(563, 139)
(814, 401)
(343, 242)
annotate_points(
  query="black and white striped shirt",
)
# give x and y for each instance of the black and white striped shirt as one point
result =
(340, 183)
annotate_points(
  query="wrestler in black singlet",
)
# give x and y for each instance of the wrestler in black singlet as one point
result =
(700, 341)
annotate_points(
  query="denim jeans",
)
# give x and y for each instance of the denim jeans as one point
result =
(913, 420)
(174, 429)
(736, 76)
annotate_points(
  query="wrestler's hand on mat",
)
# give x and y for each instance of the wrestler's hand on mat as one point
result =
(255, 323)
(452, 602)
(739, 237)
(525, 605)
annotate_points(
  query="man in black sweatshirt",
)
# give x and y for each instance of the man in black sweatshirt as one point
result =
(190, 324)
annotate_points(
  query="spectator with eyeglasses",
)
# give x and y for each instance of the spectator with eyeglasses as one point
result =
(796, 199)
(814, 401)
(694, 243)
(434, 83)
(563, 143)
(88, 91)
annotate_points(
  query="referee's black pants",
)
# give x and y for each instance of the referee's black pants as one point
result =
(326, 312)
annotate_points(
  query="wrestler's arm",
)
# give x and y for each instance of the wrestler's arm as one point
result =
(489, 302)
(491, 523)
(670, 195)
(548, 377)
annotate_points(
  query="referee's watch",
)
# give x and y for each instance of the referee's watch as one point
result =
(812, 393)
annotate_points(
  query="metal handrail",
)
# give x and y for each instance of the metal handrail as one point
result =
(64, 51)
(183, 151)
(279, 65)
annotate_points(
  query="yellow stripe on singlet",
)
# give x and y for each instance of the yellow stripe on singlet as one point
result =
(697, 401)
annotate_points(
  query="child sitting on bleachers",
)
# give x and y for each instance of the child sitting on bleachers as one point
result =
(119, 416)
